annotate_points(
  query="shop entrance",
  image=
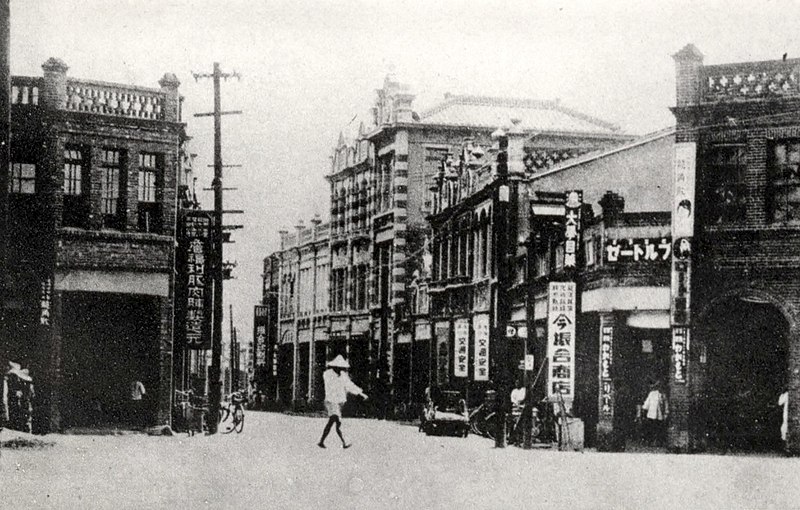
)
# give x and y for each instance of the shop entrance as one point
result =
(109, 341)
(742, 350)
(642, 358)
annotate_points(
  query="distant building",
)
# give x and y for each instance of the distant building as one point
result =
(382, 182)
(92, 212)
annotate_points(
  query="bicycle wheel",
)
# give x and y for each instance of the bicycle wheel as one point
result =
(238, 420)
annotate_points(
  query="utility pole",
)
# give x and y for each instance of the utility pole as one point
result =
(233, 351)
(5, 150)
(500, 341)
(215, 382)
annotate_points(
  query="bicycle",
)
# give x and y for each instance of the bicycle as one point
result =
(192, 412)
(232, 411)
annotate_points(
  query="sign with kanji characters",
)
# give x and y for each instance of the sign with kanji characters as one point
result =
(260, 323)
(680, 346)
(680, 291)
(561, 340)
(461, 347)
(442, 332)
(654, 249)
(480, 325)
(195, 256)
(683, 190)
(45, 301)
(606, 361)
(572, 227)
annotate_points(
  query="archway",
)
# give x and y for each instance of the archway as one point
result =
(742, 351)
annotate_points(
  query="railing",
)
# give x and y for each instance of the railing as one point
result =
(25, 90)
(114, 99)
(774, 78)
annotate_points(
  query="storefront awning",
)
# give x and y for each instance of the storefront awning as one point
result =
(119, 282)
(625, 298)
(649, 319)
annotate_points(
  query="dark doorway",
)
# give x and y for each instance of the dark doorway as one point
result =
(642, 357)
(745, 344)
(109, 341)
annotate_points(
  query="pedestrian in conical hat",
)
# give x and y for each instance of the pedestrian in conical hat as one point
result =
(337, 386)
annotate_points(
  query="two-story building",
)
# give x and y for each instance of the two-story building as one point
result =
(92, 196)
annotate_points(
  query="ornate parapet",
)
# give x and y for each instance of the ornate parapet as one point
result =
(751, 80)
(115, 99)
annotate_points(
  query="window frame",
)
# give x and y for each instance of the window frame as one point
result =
(18, 184)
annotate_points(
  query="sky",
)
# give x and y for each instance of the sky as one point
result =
(310, 67)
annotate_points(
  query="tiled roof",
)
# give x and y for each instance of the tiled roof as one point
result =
(493, 112)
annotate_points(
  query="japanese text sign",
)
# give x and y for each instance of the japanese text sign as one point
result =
(561, 340)
(480, 324)
(683, 190)
(197, 285)
(461, 346)
(260, 322)
(637, 250)
(606, 361)
(442, 331)
(680, 346)
(572, 227)
(45, 301)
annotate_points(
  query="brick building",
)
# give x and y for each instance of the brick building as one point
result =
(738, 152)
(91, 233)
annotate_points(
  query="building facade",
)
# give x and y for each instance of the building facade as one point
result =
(92, 202)
(737, 152)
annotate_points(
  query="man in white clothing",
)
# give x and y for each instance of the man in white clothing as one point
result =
(337, 386)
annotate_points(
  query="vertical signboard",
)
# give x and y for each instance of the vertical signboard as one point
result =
(683, 211)
(45, 301)
(480, 323)
(442, 331)
(561, 340)
(572, 227)
(260, 322)
(461, 347)
(195, 255)
(606, 360)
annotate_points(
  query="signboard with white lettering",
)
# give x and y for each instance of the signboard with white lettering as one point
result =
(461, 346)
(656, 249)
(680, 346)
(561, 340)
(195, 255)
(260, 322)
(480, 324)
(572, 227)
(45, 301)
(606, 361)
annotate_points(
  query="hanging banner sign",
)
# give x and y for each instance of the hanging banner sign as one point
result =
(461, 355)
(637, 250)
(680, 346)
(480, 324)
(561, 340)
(195, 255)
(572, 226)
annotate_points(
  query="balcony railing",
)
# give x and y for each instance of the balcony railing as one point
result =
(25, 90)
(774, 78)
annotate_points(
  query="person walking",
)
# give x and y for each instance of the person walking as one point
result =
(137, 405)
(656, 412)
(337, 386)
(783, 401)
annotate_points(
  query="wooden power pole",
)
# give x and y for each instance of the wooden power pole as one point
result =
(215, 380)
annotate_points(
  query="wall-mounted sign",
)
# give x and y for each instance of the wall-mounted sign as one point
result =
(461, 346)
(561, 340)
(442, 331)
(680, 291)
(260, 321)
(637, 250)
(572, 227)
(680, 346)
(683, 190)
(195, 247)
(606, 361)
(480, 324)
(45, 301)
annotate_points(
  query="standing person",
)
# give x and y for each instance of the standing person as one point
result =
(137, 393)
(783, 401)
(337, 386)
(655, 409)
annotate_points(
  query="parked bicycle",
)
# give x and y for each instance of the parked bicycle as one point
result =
(231, 416)
(191, 412)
